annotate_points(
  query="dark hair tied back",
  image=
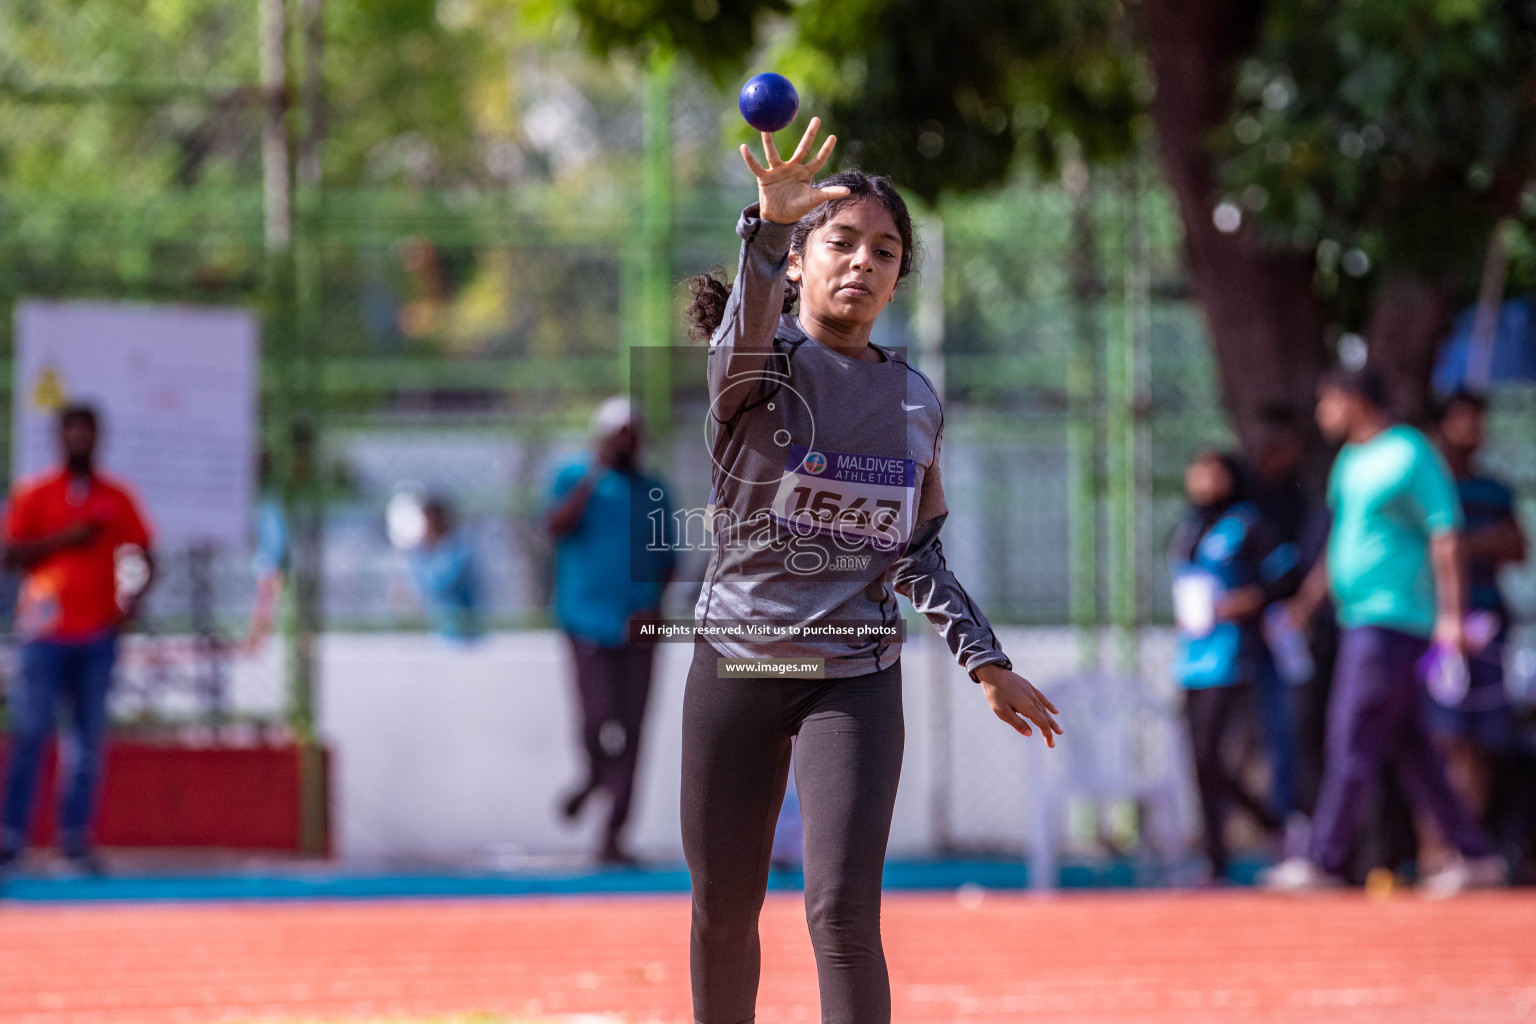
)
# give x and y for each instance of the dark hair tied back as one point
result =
(710, 291)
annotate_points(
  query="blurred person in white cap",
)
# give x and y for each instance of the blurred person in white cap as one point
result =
(610, 572)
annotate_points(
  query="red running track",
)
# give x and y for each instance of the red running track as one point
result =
(1126, 959)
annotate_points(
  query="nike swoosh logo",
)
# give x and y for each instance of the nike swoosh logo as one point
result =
(911, 408)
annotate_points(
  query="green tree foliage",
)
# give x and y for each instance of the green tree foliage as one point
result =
(949, 96)
(127, 95)
(941, 96)
(717, 34)
(1372, 143)
(94, 93)
(1384, 133)
(131, 164)
(401, 90)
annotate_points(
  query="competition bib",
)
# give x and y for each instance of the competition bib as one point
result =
(856, 499)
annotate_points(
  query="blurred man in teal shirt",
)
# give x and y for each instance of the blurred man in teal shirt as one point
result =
(610, 569)
(1394, 569)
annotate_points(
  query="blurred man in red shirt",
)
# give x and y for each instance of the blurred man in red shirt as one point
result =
(66, 531)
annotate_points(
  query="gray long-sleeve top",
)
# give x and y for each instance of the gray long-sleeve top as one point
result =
(827, 500)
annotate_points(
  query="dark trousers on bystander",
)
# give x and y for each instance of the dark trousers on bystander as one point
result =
(1214, 714)
(614, 684)
(76, 675)
(1375, 721)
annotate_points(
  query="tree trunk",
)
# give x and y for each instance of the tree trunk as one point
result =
(1407, 319)
(1266, 323)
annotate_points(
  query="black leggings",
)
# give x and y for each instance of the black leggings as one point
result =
(736, 755)
(1214, 714)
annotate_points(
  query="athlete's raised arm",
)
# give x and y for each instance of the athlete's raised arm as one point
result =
(785, 193)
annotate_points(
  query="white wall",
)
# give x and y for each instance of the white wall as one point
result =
(448, 752)
(463, 753)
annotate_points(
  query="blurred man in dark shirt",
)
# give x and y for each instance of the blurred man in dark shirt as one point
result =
(1479, 725)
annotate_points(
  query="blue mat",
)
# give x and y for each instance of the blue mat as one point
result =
(323, 883)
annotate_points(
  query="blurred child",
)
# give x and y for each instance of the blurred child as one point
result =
(269, 563)
(444, 567)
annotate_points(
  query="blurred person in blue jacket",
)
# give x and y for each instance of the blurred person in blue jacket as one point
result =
(444, 567)
(1227, 566)
(611, 568)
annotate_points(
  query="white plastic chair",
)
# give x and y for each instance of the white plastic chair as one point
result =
(1120, 744)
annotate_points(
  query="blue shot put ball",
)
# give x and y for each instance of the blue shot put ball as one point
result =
(769, 102)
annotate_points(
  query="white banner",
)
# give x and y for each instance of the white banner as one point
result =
(175, 387)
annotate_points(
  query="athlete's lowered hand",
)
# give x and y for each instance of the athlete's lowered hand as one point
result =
(784, 189)
(1015, 700)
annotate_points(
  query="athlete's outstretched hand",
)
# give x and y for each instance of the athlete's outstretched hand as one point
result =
(1015, 700)
(784, 190)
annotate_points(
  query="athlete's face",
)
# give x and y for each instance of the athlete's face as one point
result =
(851, 265)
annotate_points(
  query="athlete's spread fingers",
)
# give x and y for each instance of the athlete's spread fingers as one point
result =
(757, 169)
(823, 155)
(771, 151)
(1044, 722)
(806, 142)
(1043, 708)
(1011, 716)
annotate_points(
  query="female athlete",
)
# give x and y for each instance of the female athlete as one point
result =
(827, 503)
